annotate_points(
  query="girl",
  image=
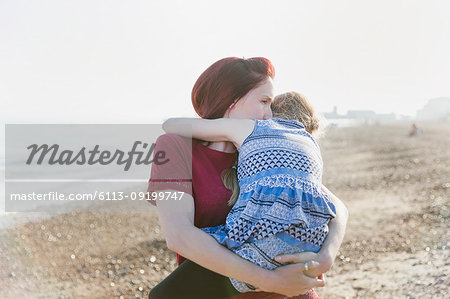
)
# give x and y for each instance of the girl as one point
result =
(280, 207)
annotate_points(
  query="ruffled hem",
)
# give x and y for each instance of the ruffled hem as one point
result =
(271, 208)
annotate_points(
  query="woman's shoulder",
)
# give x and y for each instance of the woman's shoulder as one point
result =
(173, 143)
(172, 139)
(185, 144)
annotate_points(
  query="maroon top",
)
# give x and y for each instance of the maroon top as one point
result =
(209, 193)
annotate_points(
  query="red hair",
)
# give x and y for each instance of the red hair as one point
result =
(227, 80)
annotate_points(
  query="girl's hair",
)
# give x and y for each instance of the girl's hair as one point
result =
(222, 83)
(295, 106)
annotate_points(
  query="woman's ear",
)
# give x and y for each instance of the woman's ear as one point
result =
(230, 108)
(228, 112)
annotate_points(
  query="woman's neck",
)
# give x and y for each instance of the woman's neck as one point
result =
(223, 146)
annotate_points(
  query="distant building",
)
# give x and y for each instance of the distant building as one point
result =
(369, 115)
(358, 117)
(332, 115)
(386, 116)
(361, 114)
(435, 109)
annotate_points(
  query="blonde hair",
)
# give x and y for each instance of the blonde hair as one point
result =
(295, 106)
(290, 105)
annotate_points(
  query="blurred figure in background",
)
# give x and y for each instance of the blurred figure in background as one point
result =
(415, 131)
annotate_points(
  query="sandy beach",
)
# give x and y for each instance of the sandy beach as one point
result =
(396, 187)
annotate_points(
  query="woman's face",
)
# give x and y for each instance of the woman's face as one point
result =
(255, 104)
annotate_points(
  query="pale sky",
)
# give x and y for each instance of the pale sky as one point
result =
(136, 61)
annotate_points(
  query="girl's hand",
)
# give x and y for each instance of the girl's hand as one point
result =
(290, 280)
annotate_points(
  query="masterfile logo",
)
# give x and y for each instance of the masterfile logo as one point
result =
(50, 167)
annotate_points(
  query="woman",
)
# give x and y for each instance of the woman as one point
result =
(239, 88)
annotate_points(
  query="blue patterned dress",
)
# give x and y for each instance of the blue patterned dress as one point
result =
(281, 208)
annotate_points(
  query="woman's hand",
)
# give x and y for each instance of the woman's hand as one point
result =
(290, 280)
(307, 257)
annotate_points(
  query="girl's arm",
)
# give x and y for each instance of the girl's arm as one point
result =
(222, 129)
(177, 221)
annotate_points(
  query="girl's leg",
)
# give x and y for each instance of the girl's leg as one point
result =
(190, 280)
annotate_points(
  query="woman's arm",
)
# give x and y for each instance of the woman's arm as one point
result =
(177, 221)
(336, 228)
(332, 243)
(221, 129)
